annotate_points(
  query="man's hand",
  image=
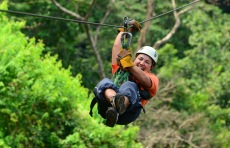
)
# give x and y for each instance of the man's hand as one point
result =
(134, 26)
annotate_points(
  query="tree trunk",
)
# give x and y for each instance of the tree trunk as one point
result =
(150, 13)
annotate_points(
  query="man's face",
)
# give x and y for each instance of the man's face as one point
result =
(144, 62)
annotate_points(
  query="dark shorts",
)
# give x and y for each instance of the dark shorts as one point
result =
(128, 89)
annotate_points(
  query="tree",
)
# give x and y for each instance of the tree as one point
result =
(42, 104)
(90, 44)
(191, 108)
(92, 38)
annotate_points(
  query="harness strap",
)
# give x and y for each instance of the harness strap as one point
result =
(143, 109)
(93, 102)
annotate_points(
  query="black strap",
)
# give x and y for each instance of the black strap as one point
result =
(145, 95)
(143, 109)
(93, 102)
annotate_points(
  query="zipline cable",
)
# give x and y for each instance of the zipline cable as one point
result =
(170, 11)
(91, 23)
(58, 18)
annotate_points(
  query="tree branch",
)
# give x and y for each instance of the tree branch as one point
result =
(92, 40)
(68, 11)
(176, 25)
(188, 142)
(109, 9)
(96, 52)
(90, 9)
(186, 9)
(190, 121)
(150, 13)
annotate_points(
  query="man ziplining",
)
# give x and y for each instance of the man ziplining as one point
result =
(121, 103)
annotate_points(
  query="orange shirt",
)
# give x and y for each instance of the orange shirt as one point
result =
(153, 89)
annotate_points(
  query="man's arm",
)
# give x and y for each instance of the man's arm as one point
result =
(140, 76)
(136, 72)
(116, 48)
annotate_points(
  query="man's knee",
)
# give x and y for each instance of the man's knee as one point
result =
(102, 86)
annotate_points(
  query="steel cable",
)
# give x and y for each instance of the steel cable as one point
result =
(91, 23)
(170, 11)
(58, 18)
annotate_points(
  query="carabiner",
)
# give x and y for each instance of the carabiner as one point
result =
(126, 22)
(129, 36)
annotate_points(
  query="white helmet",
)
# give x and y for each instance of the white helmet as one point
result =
(151, 52)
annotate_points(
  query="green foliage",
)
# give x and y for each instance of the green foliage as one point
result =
(42, 104)
(168, 61)
(202, 77)
(68, 39)
(192, 104)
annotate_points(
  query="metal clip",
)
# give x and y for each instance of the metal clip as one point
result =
(126, 22)
(129, 36)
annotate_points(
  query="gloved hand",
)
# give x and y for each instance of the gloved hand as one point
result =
(134, 26)
(124, 59)
(121, 30)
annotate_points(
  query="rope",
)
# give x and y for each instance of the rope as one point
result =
(91, 23)
(120, 77)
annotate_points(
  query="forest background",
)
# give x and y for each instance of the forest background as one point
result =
(48, 69)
